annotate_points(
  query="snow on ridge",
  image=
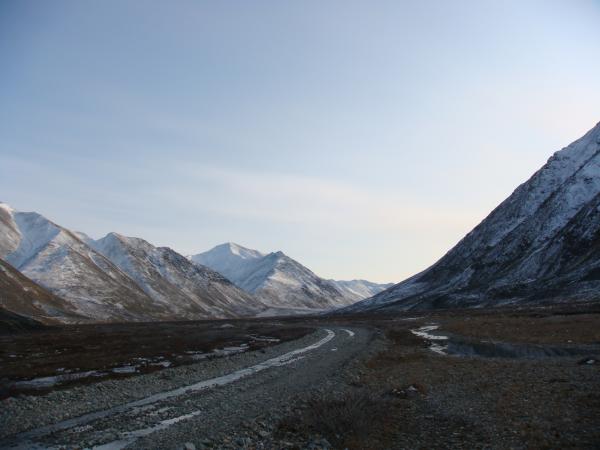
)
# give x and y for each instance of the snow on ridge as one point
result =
(7, 207)
(83, 237)
(36, 232)
(243, 252)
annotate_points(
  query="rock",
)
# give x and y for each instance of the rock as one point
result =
(400, 393)
(244, 442)
(325, 443)
(409, 392)
(412, 392)
(587, 361)
(188, 446)
(319, 444)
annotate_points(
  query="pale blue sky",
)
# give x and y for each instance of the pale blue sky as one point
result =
(362, 138)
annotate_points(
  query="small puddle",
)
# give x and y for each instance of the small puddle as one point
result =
(448, 344)
(435, 345)
(46, 382)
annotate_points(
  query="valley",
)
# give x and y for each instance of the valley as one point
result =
(300, 225)
(364, 381)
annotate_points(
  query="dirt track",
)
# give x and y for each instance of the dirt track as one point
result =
(244, 388)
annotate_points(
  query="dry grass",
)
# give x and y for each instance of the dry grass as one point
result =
(403, 336)
(537, 329)
(79, 348)
(353, 420)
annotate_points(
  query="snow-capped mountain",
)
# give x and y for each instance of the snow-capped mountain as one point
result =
(20, 295)
(114, 278)
(280, 281)
(186, 289)
(233, 261)
(359, 289)
(58, 260)
(542, 244)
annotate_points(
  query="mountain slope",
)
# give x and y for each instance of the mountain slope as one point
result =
(234, 262)
(20, 295)
(58, 260)
(280, 281)
(357, 290)
(541, 244)
(188, 290)
(11, 323)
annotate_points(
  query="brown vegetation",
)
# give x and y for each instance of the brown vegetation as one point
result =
(80, 348)
(540, 328)
(355, 419)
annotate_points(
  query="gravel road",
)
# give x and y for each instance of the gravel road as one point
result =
(205, 404)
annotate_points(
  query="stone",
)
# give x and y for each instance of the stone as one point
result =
(325, 443)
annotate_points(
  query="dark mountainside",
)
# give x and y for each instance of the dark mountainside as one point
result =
(20, 298)
(540, 246)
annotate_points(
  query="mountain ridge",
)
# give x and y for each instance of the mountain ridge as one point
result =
(505, 259)
(94, 284)
(280, 281)
(168, 277)
(59, 261)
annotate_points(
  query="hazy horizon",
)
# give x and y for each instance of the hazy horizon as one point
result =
(362, 141)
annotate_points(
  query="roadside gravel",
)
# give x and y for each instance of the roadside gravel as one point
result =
(22, 413)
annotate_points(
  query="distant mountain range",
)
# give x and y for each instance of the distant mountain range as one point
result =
(171, 280)
(280, 282)
(52, 274)
(541, 245)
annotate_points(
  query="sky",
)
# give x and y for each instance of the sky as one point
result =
(362, 138)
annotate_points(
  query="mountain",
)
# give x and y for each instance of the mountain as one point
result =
(235, 262)
(280, 281)
(58, 260)
(21, 296)
(359, 289)
(186, 289)
(541, 245)
(115, 278)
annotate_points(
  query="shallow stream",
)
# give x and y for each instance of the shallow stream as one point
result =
(449, 344)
